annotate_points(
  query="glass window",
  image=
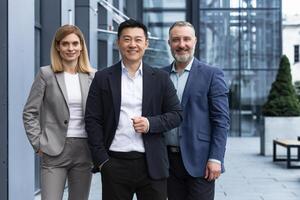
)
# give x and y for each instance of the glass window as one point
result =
(219, 38)
(296, 53)
(219, 4)
(164, 4)
(246, 43)
(240, 4)
(248, 90)
(260, 40)
(163, 17)
(246, 39)
(159, 23)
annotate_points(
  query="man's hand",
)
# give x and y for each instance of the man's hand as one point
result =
(140, 124)
(213, 171)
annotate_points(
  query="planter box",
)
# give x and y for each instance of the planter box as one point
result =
(278, 128)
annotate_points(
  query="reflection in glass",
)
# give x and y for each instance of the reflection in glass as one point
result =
(158, 23)
(246, 43)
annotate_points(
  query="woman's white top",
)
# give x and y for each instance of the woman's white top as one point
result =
(76, 126)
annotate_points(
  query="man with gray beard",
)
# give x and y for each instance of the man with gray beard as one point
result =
(196, 149)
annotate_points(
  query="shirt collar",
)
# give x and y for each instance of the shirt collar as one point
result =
(187, 68)
(139, 71)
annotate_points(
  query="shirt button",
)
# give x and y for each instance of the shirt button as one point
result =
(66, 121)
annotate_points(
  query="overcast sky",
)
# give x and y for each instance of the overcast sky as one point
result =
(290, 7)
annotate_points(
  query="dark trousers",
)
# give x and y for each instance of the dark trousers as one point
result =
(126, 174)
(182, 186)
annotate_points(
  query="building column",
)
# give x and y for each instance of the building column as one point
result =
(3, 100)
(51, 19)
(193, 16)
(20, 76)
(86, 18)
(135, 9)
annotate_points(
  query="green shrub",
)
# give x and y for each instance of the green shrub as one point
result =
(282, 99)
(297, 88)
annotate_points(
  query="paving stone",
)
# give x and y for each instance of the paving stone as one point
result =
(248, 176)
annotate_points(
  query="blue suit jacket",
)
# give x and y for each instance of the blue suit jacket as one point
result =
(205, 125)
(160, 105)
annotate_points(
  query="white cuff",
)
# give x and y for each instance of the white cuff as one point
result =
(214, 160)
(148, 125)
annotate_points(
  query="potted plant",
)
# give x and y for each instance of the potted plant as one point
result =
(281, 111)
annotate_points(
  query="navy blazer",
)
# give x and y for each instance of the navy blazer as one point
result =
(160, 105)
(205, 125)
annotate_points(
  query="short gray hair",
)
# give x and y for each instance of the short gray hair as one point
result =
(181, 24)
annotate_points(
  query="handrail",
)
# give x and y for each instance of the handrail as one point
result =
(118, 16)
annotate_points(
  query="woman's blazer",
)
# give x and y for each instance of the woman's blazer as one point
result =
(46, 112)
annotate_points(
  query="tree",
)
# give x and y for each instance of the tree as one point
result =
(282, 99)
(297, 88)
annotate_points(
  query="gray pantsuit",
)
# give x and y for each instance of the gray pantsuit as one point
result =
(74, 164)
(46, 116)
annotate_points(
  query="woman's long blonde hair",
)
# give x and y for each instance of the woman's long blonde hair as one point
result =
(83, 64)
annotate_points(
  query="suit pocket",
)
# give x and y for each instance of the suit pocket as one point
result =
(203, 137)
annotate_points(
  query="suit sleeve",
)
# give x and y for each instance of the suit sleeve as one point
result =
(94, 123)
(171, 116)
(32, 110)
(219, 115)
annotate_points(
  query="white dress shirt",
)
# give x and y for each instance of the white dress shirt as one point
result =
(126, 139)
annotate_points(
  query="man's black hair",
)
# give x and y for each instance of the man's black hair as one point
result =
(131, 23)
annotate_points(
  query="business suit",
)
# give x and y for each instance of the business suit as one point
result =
(160, 106)
(203, 132)
(46, 116)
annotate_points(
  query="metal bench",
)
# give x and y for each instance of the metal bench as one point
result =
(288, 144)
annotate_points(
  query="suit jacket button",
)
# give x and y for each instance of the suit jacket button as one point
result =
(66, 122)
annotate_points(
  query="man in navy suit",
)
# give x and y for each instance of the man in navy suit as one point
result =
(129, 106)
(196, 149)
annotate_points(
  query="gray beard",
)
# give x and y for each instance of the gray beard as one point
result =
(184, 58)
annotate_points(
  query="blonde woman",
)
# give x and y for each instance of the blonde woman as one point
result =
(54, 117)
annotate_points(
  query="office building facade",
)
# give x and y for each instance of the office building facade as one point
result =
(243, 37)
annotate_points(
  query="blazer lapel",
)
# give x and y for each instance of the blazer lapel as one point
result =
(148, 80)
(115, 86)
(84, 86)
(61, 83)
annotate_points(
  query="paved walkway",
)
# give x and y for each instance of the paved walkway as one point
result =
(248, 176)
